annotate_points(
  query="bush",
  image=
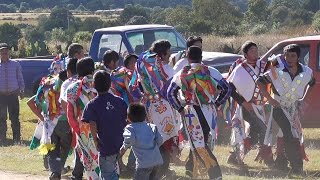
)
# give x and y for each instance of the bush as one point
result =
(22, 9)
(200, 27)
(316, 22)
(259, 29)
(137, 20)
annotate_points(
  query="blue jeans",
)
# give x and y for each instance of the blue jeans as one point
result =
(108, 167)
(147, 173)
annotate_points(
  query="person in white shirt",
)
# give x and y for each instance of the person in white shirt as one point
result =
(180, 59)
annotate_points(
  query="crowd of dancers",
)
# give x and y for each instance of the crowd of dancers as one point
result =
(156, 101)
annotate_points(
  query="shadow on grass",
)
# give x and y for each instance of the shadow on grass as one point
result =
(267, 173)
(35, 121)
(312, 143)
(10, 142)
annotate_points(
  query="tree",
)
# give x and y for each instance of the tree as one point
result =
(59, 18)
(279, 14)
(71, 7)
(10, 34)
(200, 27)
(136, 20)
(158, 15)
(58, 36)
(83, 37)
(25, 4)
(7, 8)
(291, 4)
(94, 5)
(130, 11)
(311, 5)
(22, 9)
(12, 8)
(316, 21)
(81, 8)
(181, 15)
(223, 15)
(257, 11)
(91, 23)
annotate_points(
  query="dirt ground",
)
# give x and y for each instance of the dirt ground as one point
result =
(17, 176)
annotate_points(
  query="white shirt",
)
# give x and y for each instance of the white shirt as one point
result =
(64, 87)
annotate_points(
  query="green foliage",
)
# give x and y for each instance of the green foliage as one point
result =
(6, 9)
(291, 4)
(130, 11)
(58, 36)
(25, 4)
(59, 18)
(257, 11)
(110, 23)
(10, 34)
(158, 15)
(179, 16)
(136, 20)
(198, 26)
(82, 37)
(316, 21)
(311, 5)
(223, 15)
(22, 9)
(70, 7)
(90, 24)
(279, 14)
(81, 8)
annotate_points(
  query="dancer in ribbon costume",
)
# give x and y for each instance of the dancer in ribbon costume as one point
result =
(191, 92)
(180, 60)
(151, 74)
(52, 132)
(250, 108)
(121, 78)
(290, 81)
(79, 94)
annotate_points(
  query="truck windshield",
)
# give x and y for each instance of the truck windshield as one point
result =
(142, 40)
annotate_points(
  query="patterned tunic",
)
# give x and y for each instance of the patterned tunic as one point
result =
(78, 95)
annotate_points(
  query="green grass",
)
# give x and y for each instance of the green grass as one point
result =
(20, 159)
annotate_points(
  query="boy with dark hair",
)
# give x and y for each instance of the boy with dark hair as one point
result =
(130, 61)
(106, 114)
(145, 140)
(110, 60)
(289, 81)
(79, 94)
(180, 60)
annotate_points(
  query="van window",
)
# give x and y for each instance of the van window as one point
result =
(111, 42)
(142, 40)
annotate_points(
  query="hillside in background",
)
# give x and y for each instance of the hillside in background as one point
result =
(96, 4)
